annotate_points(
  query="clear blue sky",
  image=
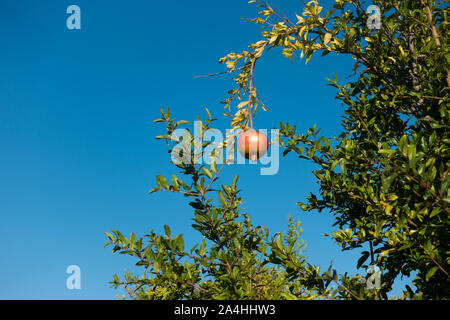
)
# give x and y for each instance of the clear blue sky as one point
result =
(77, 147)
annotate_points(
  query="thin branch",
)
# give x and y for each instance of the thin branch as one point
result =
(436, 263)
(215, 177)
(250, 89)
(217, 73)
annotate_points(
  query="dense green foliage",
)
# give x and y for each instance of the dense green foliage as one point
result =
(385, 177)
(234, 260)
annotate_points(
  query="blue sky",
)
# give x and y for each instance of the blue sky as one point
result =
(77, 147)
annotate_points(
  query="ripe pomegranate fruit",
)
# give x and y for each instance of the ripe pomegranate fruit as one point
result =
(252, 145)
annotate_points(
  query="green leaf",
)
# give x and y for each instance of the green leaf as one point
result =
(222, 199)
(179, 242)
(208, 113)
(289, 296)
(175, 184)
(362, 259)
(202, 249)
(279, 242)
(154, 190)
(162, 182)
(181, 122)
(403, 144)
(165, 136)
(233, 184)
(236, 243)
(430, 273)
(167, 230)
(110, 236)
(207, 172)
(132, 241)
(148, 252)
(184, 185)
(412, 151)
(387, 181)
(156, 266)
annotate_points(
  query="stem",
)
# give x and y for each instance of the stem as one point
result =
(214, 178)
(251, 86)
(440, 267)
(371, 252)
(436, 263)
(250, 89)
(217, 73)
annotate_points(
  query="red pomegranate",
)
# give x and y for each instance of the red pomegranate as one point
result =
(252, 144)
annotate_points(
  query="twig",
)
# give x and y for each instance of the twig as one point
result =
(216, 74)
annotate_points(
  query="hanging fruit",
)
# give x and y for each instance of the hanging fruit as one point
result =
(252, 144)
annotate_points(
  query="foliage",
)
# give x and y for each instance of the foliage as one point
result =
(385, 177)
(234, 259)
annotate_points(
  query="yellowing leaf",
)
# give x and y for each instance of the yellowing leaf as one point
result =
(242, 104)
(327, 38)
